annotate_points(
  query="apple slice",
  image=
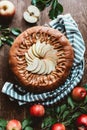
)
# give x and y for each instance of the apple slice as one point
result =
(30, 53)
(46, 67)
(51, 66)
(28, 62)
(28, 59)
(34, 50)
(38, 67)
(46, 49)
(52, 60)
(51, 55)
(43, 67)
(41, 50)
(38, 47)
(33, 65)
(51, 52)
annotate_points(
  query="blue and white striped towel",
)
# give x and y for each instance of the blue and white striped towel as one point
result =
(67, 25)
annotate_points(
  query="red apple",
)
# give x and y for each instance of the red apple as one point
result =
(79, 93)
(58, 126)
(37, 110)
(7, 11)
(81, 122)
(14, 125)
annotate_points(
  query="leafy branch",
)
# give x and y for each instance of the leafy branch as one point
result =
(55, 7)
(3, 124)
(66, 113)
(7, 35)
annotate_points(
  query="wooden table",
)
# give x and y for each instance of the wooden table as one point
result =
(78, 10)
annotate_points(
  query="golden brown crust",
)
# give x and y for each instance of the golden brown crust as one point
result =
(34, 82)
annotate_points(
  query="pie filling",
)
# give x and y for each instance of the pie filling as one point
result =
(41, 58)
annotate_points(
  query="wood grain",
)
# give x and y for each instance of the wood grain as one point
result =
(78, 10)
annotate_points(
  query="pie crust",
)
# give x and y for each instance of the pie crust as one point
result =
(34, 82)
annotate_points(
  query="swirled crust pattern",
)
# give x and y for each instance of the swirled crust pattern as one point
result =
(34, 82)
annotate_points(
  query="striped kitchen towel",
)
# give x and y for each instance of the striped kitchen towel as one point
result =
(67, 25)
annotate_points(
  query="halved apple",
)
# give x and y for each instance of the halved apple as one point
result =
(32, 14)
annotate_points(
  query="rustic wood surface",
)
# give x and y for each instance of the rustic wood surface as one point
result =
(78, 10)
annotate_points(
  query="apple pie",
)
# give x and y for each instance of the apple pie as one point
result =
(41, 59)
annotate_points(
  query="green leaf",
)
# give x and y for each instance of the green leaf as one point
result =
(3, 123)
(68, 121)
(48, 121)
(1, 43)
(85, 100)
(39, 4)
(2, 128)
(55, 10)
(70, 102)
(3, 39)
(46, 2)
(15, 31)
(3, 27)
(5, 31)
(65, 114)
(28, 128)
(56, 7)
(83, 109)
(75, 115)
(34, 2)
(0, 27)
(58, 109)
(9, 41)
(26, 122)
(85, 86)
(63, 108)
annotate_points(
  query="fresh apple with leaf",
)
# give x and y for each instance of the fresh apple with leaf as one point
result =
(37, 110)
(14, 125)
(79, 93)
(81, 122)
(58, 126)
